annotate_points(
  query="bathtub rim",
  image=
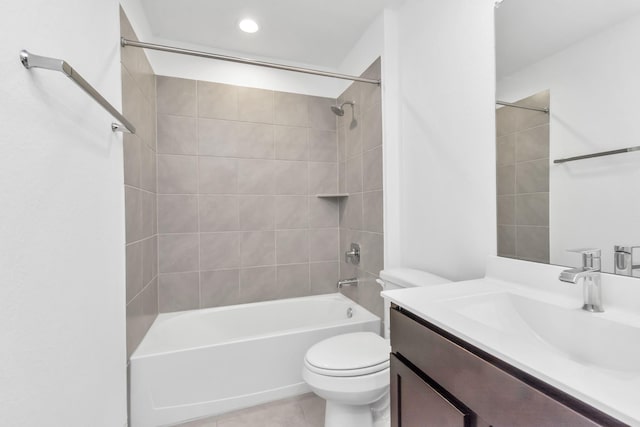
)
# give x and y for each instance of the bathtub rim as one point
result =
(368, 316)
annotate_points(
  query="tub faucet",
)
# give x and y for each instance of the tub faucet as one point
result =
(348, 282)
(591, 280)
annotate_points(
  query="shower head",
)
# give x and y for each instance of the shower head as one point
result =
(339, 111)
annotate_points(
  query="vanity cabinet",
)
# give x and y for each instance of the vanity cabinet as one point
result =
(439, 380)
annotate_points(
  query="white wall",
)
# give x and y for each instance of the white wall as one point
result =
(188, 67)
(362, 54)
(62, 298)
(594, 88)
(444, 82)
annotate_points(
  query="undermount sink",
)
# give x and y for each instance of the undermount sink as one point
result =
(586, 338)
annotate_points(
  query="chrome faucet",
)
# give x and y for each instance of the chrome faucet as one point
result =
(623, 260)
(590, 275)
(348, 282)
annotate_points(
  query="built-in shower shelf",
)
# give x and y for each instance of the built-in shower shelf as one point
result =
(332, 195)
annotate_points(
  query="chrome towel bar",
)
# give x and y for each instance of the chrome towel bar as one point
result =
(29, 60)
(600, 154)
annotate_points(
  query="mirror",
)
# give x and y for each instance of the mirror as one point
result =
(581, 59)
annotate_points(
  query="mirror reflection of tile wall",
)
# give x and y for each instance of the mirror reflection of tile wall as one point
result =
(522, 170)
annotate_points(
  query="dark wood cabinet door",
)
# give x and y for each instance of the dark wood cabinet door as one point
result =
(414, 403)
(498, 393)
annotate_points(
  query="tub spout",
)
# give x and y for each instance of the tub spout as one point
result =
(348, 282)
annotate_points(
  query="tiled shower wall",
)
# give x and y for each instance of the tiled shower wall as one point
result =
(522, 150)
(360, 165)
(238, 171)
(139, 106)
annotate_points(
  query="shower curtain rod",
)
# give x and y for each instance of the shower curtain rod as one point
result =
(125, 42)
(510, 104)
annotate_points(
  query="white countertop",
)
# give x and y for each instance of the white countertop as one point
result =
(613, 391)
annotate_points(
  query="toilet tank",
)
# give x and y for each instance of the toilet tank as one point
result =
(398, 278)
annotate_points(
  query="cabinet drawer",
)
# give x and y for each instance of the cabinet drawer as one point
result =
(501, 398)
(416, 404)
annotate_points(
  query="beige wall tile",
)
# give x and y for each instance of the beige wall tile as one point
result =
(506, 210)
(256, 176)
(176, 96)
(292, 212)
(218, 137)
(217, 101)
(323, 213)
(218, 288)
(178, 291)
(324, 277)
(351, 212)
(292, 246)
(256, 141)
(177, 174)
(372, 169)
(177, 213)
(217, 175)
(532, 209)
(136, 327)
(219, 250)
(292, 178)
(134, 270)
(133, 213)
(372, 126)
(292, 281)
(291, 143)
(320, 114)
(532, 177)
(323, 146)
(533, 143)
(131, 153)
(532, 243)
(353, 175)
(178, 252)
(257, 212)
(372, 252)
(291, 109)
(506, 150)
(323, 178)
(258, 248)
(219, 213)
(324, 244)
(506, 180)
(256, 105)
(372, 211)
(257, 284)
(506, 240)
(177, 135)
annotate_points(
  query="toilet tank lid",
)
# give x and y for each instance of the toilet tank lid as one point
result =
(410, 277)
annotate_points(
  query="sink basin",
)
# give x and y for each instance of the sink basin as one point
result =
(586, 338)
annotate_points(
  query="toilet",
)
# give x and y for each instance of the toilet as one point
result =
(351, 371)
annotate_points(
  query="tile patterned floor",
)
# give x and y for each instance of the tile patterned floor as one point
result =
(302, 411)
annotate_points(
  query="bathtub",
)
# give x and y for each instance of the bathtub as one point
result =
(200, 363)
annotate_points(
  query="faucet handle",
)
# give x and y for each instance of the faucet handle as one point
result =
(590, 257)
(624, 248)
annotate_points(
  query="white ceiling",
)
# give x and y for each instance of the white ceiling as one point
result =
(530, 30)
(314, 32)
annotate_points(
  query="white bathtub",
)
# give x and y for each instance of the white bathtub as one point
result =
(199, 363)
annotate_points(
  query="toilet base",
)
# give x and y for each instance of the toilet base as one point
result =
(372, 415)
(339, 415)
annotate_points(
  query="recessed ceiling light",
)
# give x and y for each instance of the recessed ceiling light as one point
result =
(248, 25)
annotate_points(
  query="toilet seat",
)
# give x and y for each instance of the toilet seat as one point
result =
(349, 355)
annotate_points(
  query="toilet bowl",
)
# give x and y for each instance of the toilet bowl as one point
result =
(351, 371)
